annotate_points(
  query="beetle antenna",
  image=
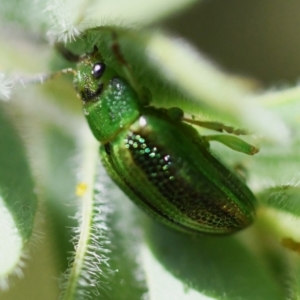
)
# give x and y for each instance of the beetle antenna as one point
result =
(41, 78)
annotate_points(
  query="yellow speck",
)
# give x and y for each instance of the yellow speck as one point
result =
(81, 189)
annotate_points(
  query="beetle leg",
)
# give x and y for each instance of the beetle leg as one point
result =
(217, 126)
(232, 142)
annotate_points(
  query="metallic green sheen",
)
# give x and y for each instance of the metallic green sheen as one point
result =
(165, 168)
(160, 162)
(113, 111)
(116, 107)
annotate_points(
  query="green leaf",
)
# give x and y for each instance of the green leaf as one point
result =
(104, 264)
(18, 202)
(69, 18)
(208, 266)
(284, 198)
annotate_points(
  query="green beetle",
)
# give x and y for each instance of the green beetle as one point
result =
(159, 160)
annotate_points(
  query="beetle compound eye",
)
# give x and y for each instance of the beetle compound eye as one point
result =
(98, 70)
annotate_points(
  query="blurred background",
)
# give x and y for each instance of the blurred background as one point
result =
(256, 38)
